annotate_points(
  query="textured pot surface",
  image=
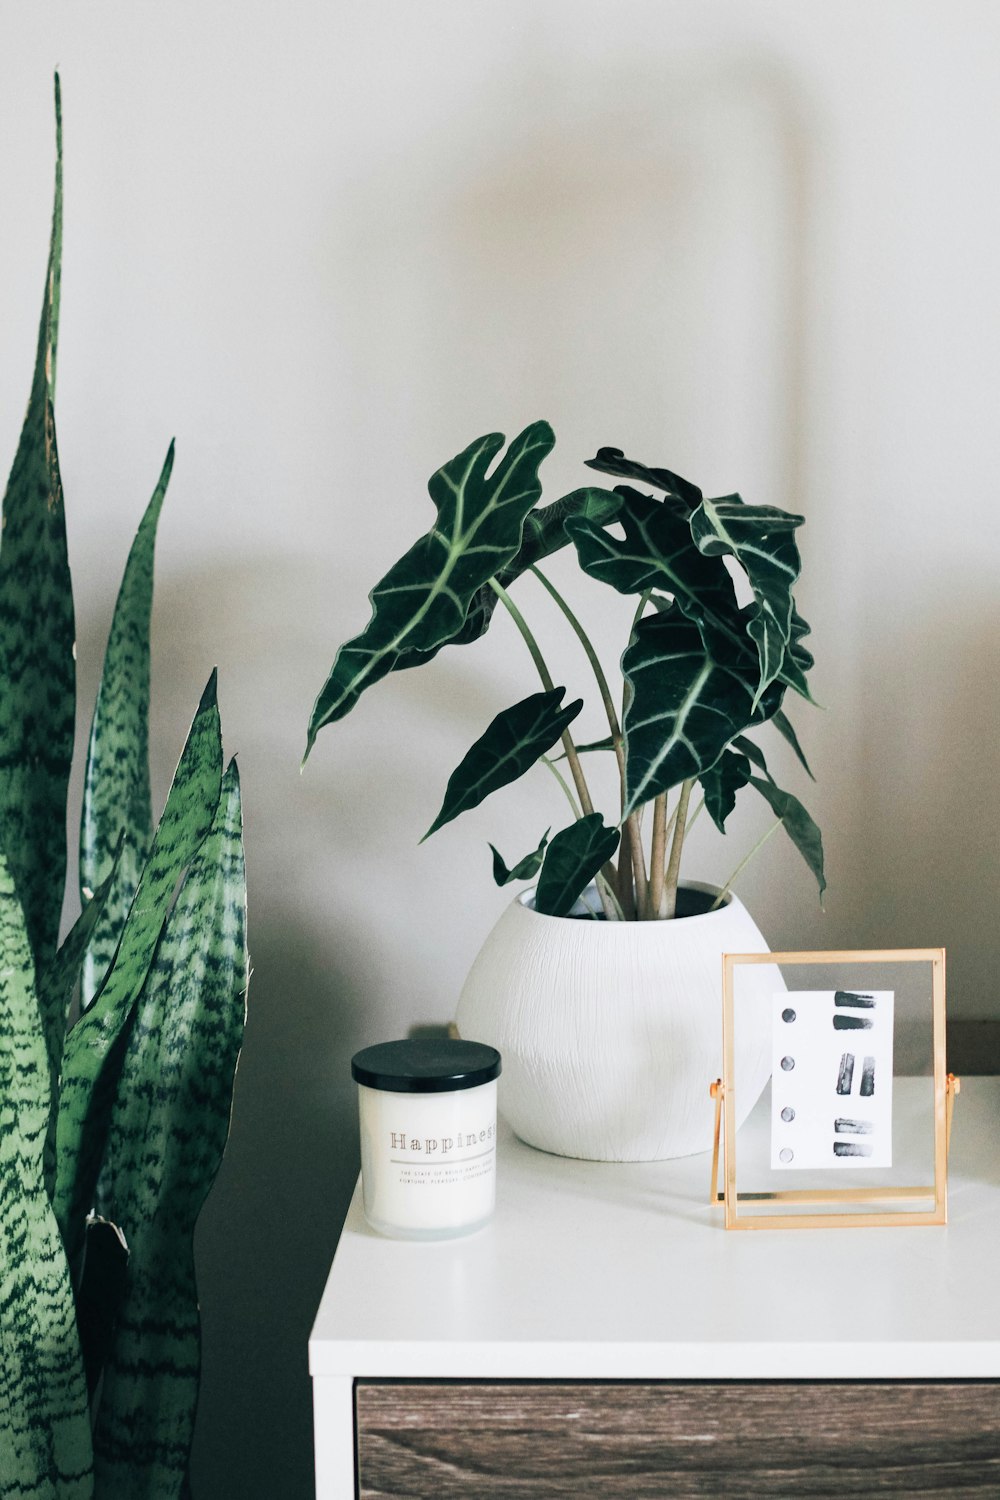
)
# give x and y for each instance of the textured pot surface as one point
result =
(611, 1032)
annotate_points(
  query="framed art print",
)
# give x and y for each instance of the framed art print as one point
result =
(852, 1128)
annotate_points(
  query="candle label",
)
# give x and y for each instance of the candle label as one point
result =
(831, 1079)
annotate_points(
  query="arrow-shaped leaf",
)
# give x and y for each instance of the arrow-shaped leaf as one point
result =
(509, 747)
(761, 539)
(92, 1053)
(525, 869)
(684, 708)
(116, 795)
(571, 861)
(658, 552)
(721, 783)
(544, 534)
(424, 599)
(167, 1137)
(783, 726)
(613, 461)
(37, 669)
(799, 826)
(45, 1449)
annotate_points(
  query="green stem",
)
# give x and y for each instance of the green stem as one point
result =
(563, 783)
(669, 904)
(579, 780)
(743, 864)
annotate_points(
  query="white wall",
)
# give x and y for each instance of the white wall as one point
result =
(328, 244)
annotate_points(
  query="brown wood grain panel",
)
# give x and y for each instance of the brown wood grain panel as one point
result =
(743, 1439)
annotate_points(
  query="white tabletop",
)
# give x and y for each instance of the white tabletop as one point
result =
(604, 1271)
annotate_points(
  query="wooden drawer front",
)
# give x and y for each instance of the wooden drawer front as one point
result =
(478, 1440)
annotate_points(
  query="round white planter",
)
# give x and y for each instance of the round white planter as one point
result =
(611, 1032)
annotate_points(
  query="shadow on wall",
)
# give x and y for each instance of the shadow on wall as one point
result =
(926, 841)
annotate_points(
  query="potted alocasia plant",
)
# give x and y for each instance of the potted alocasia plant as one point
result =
(118, 1047)
(701, 672)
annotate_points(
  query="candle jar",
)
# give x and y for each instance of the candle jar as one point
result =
(428, 1113)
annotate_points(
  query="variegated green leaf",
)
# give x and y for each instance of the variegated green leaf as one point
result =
(613, 461)
(762, 540)
(721, 783)
(544, 533)
(571, 861)
(56, 988)
(799, 826)
(168, 1133)
(684, 707)
(45, 1447)
(525, 869)
(509, 746)
(116, 796)
(37, 705)
(658, 552)
(425, 598)
(92, 1051)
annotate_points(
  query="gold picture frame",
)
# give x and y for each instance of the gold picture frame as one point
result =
(945, 1087)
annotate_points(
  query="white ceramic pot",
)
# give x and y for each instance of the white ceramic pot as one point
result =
(611, 1032)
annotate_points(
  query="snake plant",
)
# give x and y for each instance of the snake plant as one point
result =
(699, 670)
(118, 1047)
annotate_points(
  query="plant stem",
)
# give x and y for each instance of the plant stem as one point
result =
(669, 904)
(579, 780)
(743, 864)
(638, 863)
(657, 856)
(563, 783)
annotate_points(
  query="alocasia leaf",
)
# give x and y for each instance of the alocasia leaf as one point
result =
(37, 705)
(525, 869)
(116, 796)
(45, 1447)
(658, 552)
(721, 783)
(684, 708)
(544, 533)
(93, 1047)
(571, 861)
(424, 599)
(762, 540)
(168, 1133)
(613, 461)
(799, 826)
(785, 729)
(509, 746)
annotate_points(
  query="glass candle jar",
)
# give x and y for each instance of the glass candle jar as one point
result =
(428, 1112)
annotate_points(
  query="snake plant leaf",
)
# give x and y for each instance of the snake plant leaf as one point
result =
(55, 996)
(505, 750)
(613, 461)
(94, 1046)
(45, 1445)
(38, 702)
(167, 1137)
(783, 726)
(116, 795)
(571, 861)
(424, 599)
(799, 826)
(720, 784)
(525, 869)
(684, 708)
(761, 538)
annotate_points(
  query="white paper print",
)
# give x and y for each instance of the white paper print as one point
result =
(831, 1079)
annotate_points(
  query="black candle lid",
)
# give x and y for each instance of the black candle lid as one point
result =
(425, 1065)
